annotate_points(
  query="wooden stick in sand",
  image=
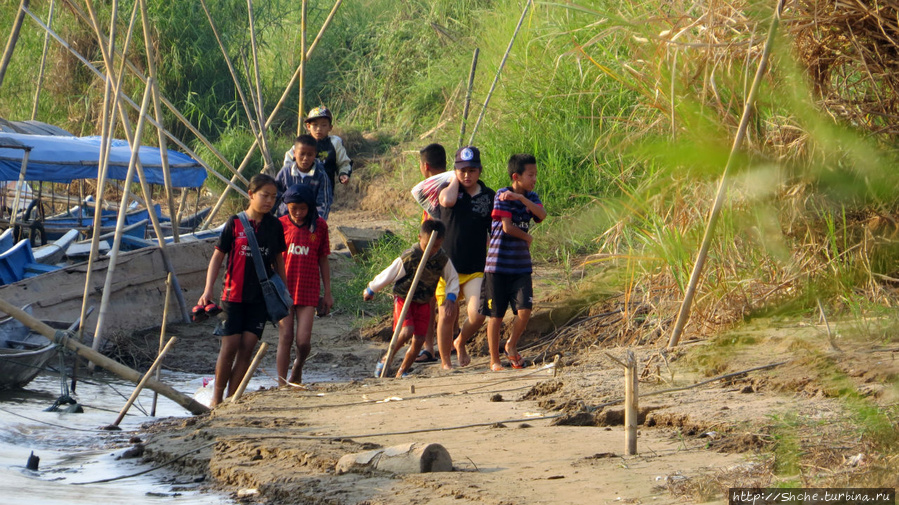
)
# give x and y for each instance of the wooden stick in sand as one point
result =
(140, 385)
(630, 404)
(399, 322)
(250, 372)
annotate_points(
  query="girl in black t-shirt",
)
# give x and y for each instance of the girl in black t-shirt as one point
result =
(242, 300)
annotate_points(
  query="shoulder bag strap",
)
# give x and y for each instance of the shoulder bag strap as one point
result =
(251, 240)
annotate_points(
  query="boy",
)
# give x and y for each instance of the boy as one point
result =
(329, 148)
(401, 272)
(507, 274)
(302, 167)
(465, 208)
(431, 161)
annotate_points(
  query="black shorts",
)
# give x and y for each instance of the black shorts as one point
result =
(502, 290)
(242, 317)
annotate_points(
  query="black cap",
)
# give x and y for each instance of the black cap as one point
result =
(468, 156)
(299, 193)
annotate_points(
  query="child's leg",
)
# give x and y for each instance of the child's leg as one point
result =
(518, 327)
(223, 365)
(432, 328)
(445, 337)
(414, 349)
(472, 291)
(305, 317)
(285, 343)
(494, 324)
(248, 342)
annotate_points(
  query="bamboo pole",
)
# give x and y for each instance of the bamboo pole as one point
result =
(630, 403)
(120, 221)
(64, 339)
(135, 106)
(40, 74)
(271, 117)
(260, 107)
(13, 38)
(106, 133)
(471, 73)
(502, 63)
(174, 110)
(165, 317)
(300, 106)
(253, 120)
(250, 371)
(157, 110)
(684, 313)
(408, 302)
(143, 382)
(15, 203)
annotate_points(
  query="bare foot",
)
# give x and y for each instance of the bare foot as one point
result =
(461, 354)
(448, 367)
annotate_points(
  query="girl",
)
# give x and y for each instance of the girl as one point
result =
(306, 260)
(242, 300)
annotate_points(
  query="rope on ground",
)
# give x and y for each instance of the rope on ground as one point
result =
(51, 424)
(142, 472)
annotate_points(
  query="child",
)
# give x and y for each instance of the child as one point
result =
(330, 149)
(507, 274)
(306, 261)
(431, 161)
(465, 208)
(242, 300)
(401, 272)
(302, 167)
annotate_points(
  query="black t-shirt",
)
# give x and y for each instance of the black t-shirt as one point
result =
(467, 229)
(241, 282)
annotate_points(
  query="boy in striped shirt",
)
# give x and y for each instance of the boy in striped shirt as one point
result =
(507, 275)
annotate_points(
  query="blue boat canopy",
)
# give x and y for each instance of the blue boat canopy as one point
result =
(64, 159)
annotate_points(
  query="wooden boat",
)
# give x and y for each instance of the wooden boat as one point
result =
(23, 353)
(55, 252)
(137, 292)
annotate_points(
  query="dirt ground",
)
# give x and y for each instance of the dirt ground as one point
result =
(540, 435)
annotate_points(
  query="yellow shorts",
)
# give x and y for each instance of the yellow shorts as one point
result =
(469, 287)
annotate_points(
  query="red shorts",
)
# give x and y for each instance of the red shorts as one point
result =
(418, 316)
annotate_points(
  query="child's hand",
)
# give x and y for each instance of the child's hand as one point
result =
(368, 295)
(344, 178)
(510, 195)
(449, 309)
(205, 299)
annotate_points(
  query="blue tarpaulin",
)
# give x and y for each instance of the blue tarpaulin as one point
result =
(64, 159)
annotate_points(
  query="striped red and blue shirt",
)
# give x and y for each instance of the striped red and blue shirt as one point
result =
(507, 254)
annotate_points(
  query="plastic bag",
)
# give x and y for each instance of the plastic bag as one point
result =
(426, 192)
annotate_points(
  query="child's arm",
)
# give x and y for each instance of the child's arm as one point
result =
(212, 273)
(344, 163)
(514, 231)
(450, 194)
(325, 268)
(280, 269)
(388, 275)
(452, 289)
(536, 209)
(322, 202)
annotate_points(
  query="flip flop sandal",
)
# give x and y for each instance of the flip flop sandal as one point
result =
(212, 309)
(516, 361)
(379, 368)
(425, 357)
(198, 314)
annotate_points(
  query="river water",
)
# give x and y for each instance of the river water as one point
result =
(73, 450)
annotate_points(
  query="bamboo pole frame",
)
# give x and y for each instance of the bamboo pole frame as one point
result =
(260, 108)
(684, 313)
(165, 313)
(300, 105)
(408, 302)
(271, 117)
